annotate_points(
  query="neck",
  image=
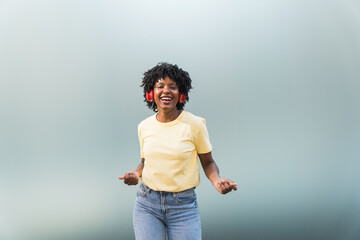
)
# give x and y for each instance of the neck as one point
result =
(168, 116)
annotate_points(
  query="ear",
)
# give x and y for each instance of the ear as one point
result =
(150, 96)
(182, 98)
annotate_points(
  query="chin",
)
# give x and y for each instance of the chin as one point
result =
(168, 107)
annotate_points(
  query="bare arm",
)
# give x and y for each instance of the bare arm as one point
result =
(132, 177)
(211, 170)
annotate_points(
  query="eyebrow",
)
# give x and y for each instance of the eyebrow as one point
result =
(159, 82)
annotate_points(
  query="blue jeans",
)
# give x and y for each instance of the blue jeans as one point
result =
(159, 214)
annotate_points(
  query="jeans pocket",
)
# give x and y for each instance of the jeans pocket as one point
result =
(188, 196)
(142, 191)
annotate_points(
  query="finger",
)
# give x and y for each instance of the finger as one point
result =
(223, 187)
(232, 185)
(132, 180)
(227, 184)
(131, 174)
(227, 187)
(127, 178)
(122, 177)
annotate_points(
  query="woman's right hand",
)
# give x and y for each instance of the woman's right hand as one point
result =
(130, 177)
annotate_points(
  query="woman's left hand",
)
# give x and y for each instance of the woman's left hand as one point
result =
(224, 186)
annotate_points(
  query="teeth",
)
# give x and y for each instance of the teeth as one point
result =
(166, 99)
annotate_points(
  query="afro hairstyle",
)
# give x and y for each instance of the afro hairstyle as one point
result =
(161, 71)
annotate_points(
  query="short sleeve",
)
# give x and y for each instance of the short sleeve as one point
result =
(202, 141)
(140, 141)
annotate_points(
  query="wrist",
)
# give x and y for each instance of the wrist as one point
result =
(214, 179)
(137, 173)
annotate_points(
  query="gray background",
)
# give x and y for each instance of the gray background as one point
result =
(277, 81)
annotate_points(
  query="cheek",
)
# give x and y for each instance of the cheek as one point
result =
(156, 93)
(175, 92)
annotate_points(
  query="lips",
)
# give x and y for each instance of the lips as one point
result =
(166, 99)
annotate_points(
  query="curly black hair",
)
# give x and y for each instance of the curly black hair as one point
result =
(163, 70)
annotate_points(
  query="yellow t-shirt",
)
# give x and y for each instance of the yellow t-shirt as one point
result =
(170, 150)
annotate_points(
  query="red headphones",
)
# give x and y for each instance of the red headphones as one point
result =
(150, 97)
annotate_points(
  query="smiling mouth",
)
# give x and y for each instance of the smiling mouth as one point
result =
(166, 99)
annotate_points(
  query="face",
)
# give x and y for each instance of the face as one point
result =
(166, 94)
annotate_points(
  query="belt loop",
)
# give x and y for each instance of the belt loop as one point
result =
(148, 190)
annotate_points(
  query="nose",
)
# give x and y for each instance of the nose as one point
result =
(166, 89)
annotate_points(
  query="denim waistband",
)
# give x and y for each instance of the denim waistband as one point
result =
(149, 190)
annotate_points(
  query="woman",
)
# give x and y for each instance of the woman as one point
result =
(171, 142)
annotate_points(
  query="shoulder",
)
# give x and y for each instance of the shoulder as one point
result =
(146, 122)
(193, 119)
